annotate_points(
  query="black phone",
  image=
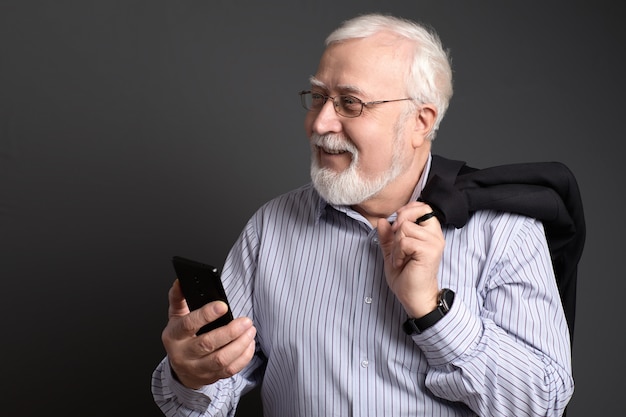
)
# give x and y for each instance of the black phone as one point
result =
(201, 284)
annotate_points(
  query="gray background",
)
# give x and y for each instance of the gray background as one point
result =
(131, 131)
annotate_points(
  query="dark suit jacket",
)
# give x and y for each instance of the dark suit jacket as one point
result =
(547, 191)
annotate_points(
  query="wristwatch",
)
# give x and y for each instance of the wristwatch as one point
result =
(444, 302)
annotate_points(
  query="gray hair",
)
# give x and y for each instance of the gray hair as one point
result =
(430, 74)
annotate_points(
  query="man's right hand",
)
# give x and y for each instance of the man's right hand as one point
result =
(202, 360)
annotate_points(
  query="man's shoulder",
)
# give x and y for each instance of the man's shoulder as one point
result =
(303, 194)
(500, 223)
(302, 199)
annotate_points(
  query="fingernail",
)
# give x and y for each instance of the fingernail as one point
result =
(220, 307)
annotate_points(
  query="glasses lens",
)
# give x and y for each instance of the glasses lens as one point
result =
(312, 101)
(349, 106)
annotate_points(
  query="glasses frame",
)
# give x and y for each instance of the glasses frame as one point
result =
(336, 102)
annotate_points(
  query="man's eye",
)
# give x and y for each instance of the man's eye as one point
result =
(317, 97)
(350, 101)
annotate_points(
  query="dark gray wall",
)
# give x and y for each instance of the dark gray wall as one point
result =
(131, 131)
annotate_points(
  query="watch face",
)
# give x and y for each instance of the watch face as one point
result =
(446, 299)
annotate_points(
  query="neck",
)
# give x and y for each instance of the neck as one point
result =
(394, 195)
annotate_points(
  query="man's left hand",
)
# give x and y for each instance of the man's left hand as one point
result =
(412, 254)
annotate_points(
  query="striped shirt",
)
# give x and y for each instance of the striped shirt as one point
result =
(329, 330)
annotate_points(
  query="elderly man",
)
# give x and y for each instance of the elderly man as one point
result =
(351, 298)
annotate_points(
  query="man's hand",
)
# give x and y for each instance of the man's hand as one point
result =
(202, 360)
(412, 254)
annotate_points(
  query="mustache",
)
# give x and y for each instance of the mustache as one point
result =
(334, 142)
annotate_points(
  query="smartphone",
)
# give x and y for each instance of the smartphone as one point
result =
(201, 284)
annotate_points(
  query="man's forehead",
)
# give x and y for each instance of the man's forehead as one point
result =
(361, 66)
(344, 88)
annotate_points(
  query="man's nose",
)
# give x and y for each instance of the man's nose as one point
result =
(327, 120)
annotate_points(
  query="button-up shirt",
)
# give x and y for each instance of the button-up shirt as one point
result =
(329, 330)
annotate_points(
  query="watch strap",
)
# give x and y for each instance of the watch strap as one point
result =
(444, 302)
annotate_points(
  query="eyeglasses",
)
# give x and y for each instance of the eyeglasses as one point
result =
(345, 105)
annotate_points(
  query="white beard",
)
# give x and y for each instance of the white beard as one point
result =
(348, 187)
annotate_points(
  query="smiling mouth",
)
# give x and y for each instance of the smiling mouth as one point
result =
(332, 151)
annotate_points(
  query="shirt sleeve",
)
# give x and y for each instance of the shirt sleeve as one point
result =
(174, 399)
(221, 398)
(513, 356)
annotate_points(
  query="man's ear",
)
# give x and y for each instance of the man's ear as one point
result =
(424, 123)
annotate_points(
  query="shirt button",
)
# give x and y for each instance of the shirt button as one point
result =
(375, 240)
(364, 363)
(368, 300)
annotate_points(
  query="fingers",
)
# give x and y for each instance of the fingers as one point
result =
(415, 212)
(418, 213)
(222, 355)
(425, 217)
(236, 336)
(214, 340)
(202, 360)
(408, 239)
(187, 325)
(415, 245)
(183, 329)
(217, 354)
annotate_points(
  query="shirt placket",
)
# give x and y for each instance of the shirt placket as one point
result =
(364, 325)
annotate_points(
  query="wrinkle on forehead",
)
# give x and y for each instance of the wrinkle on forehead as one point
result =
(346, 88)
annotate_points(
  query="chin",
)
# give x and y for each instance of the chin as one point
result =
(344, 188)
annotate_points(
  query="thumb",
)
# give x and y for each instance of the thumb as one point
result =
(177, 304)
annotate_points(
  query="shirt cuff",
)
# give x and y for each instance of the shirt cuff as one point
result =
(451, 337)
(194, 399)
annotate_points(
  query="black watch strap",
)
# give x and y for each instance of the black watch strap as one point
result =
(444, 302)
